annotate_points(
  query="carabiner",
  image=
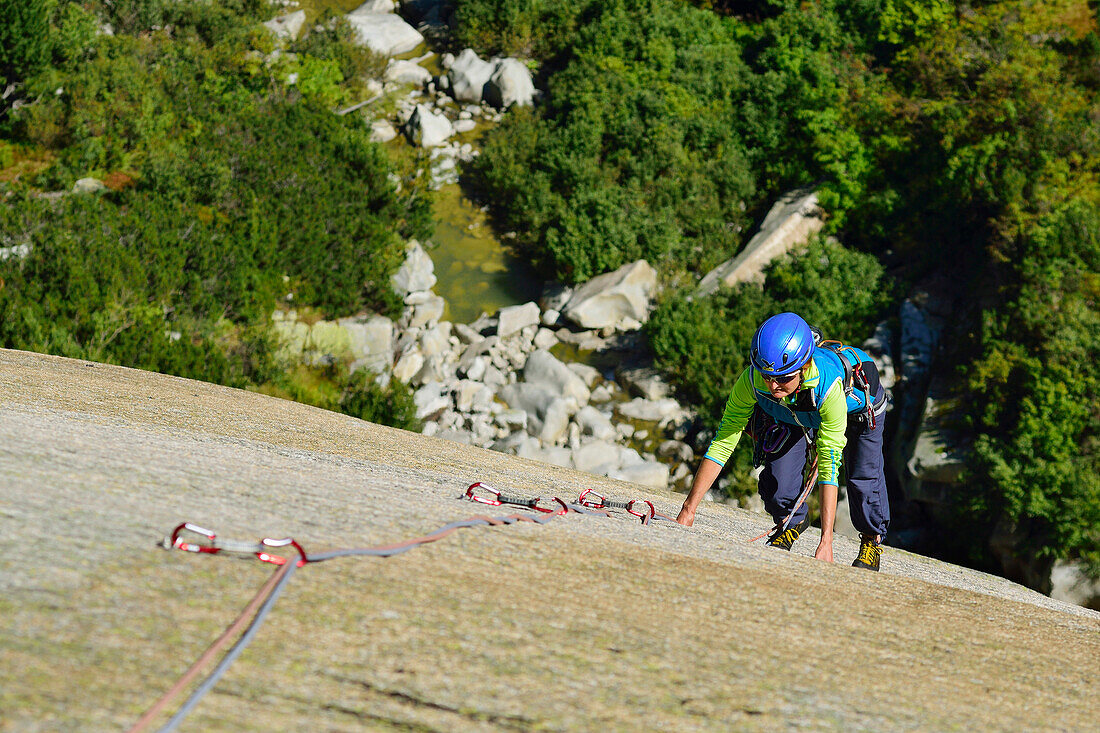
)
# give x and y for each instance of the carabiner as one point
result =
(175, 542)
(276, 559)
(495, 501)
(645, 517)
(563, 507)
(774, 438)
(589, 503)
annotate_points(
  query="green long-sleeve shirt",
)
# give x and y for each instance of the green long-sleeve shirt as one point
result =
(830, 418)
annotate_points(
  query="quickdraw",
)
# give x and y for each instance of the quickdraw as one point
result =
(593, 500)
(215, 545)
(499, 499)
(265, 598)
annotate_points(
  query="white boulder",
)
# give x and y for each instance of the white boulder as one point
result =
(407, 72)
(614, 298)
(371, 340)
(384, 33)
(381, 131)
(649, 473)
(416, 273)
(515, 318)
(469, 74)
(427, 128)
(287, 27)
(544, 369)
(510, 84)
(430, 400)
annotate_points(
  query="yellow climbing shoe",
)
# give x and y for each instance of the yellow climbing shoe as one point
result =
(869, 553)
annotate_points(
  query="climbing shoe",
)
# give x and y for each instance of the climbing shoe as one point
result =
(785, 540)
(869, 553)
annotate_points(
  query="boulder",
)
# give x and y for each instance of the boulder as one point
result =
(430, 400)
(514, 318)
(436, 340)
(649, 473)
(545, 339)
(544, 369)
(651, 410)
(427, 128)
(555, 423)
(416, 273)
(510, 84)
(594, 423)
(598, 456)
(614, 297)
(1070, 583)
(384, 33)
(642, 381)
(376, 6)
(676, 450)
(790, 223)
(407, 72)
(89, 185)
(371, 341)
(287, 27)
(469, 75)
(408, 366)
(381, 131)
(532, 399)
(428, 312)
(588, 374)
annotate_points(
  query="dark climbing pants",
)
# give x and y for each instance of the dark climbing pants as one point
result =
(868, 503)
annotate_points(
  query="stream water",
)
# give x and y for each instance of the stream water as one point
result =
(474, 270)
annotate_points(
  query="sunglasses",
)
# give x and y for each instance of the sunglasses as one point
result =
(783, 379)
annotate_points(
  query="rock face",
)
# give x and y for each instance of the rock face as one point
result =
(383, 32)
(619, 299)
(101, 462)
(791, 222)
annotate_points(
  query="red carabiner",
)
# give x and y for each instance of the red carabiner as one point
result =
(232, 546)
(647, 517)
(583, 501)
(495, 501)
(564, 508)
(177, 543)
(276, 559)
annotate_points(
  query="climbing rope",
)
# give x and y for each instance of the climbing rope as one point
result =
(781, 527)
(589, 503)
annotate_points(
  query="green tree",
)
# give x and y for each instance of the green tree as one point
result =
(25, 43)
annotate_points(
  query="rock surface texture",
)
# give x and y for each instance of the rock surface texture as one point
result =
(623, 626)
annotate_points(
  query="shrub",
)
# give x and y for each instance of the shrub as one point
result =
(25, 43)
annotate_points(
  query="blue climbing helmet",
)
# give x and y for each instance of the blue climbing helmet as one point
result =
(782, 344)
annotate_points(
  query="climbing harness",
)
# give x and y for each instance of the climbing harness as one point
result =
(768, 435)
(208, 542)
